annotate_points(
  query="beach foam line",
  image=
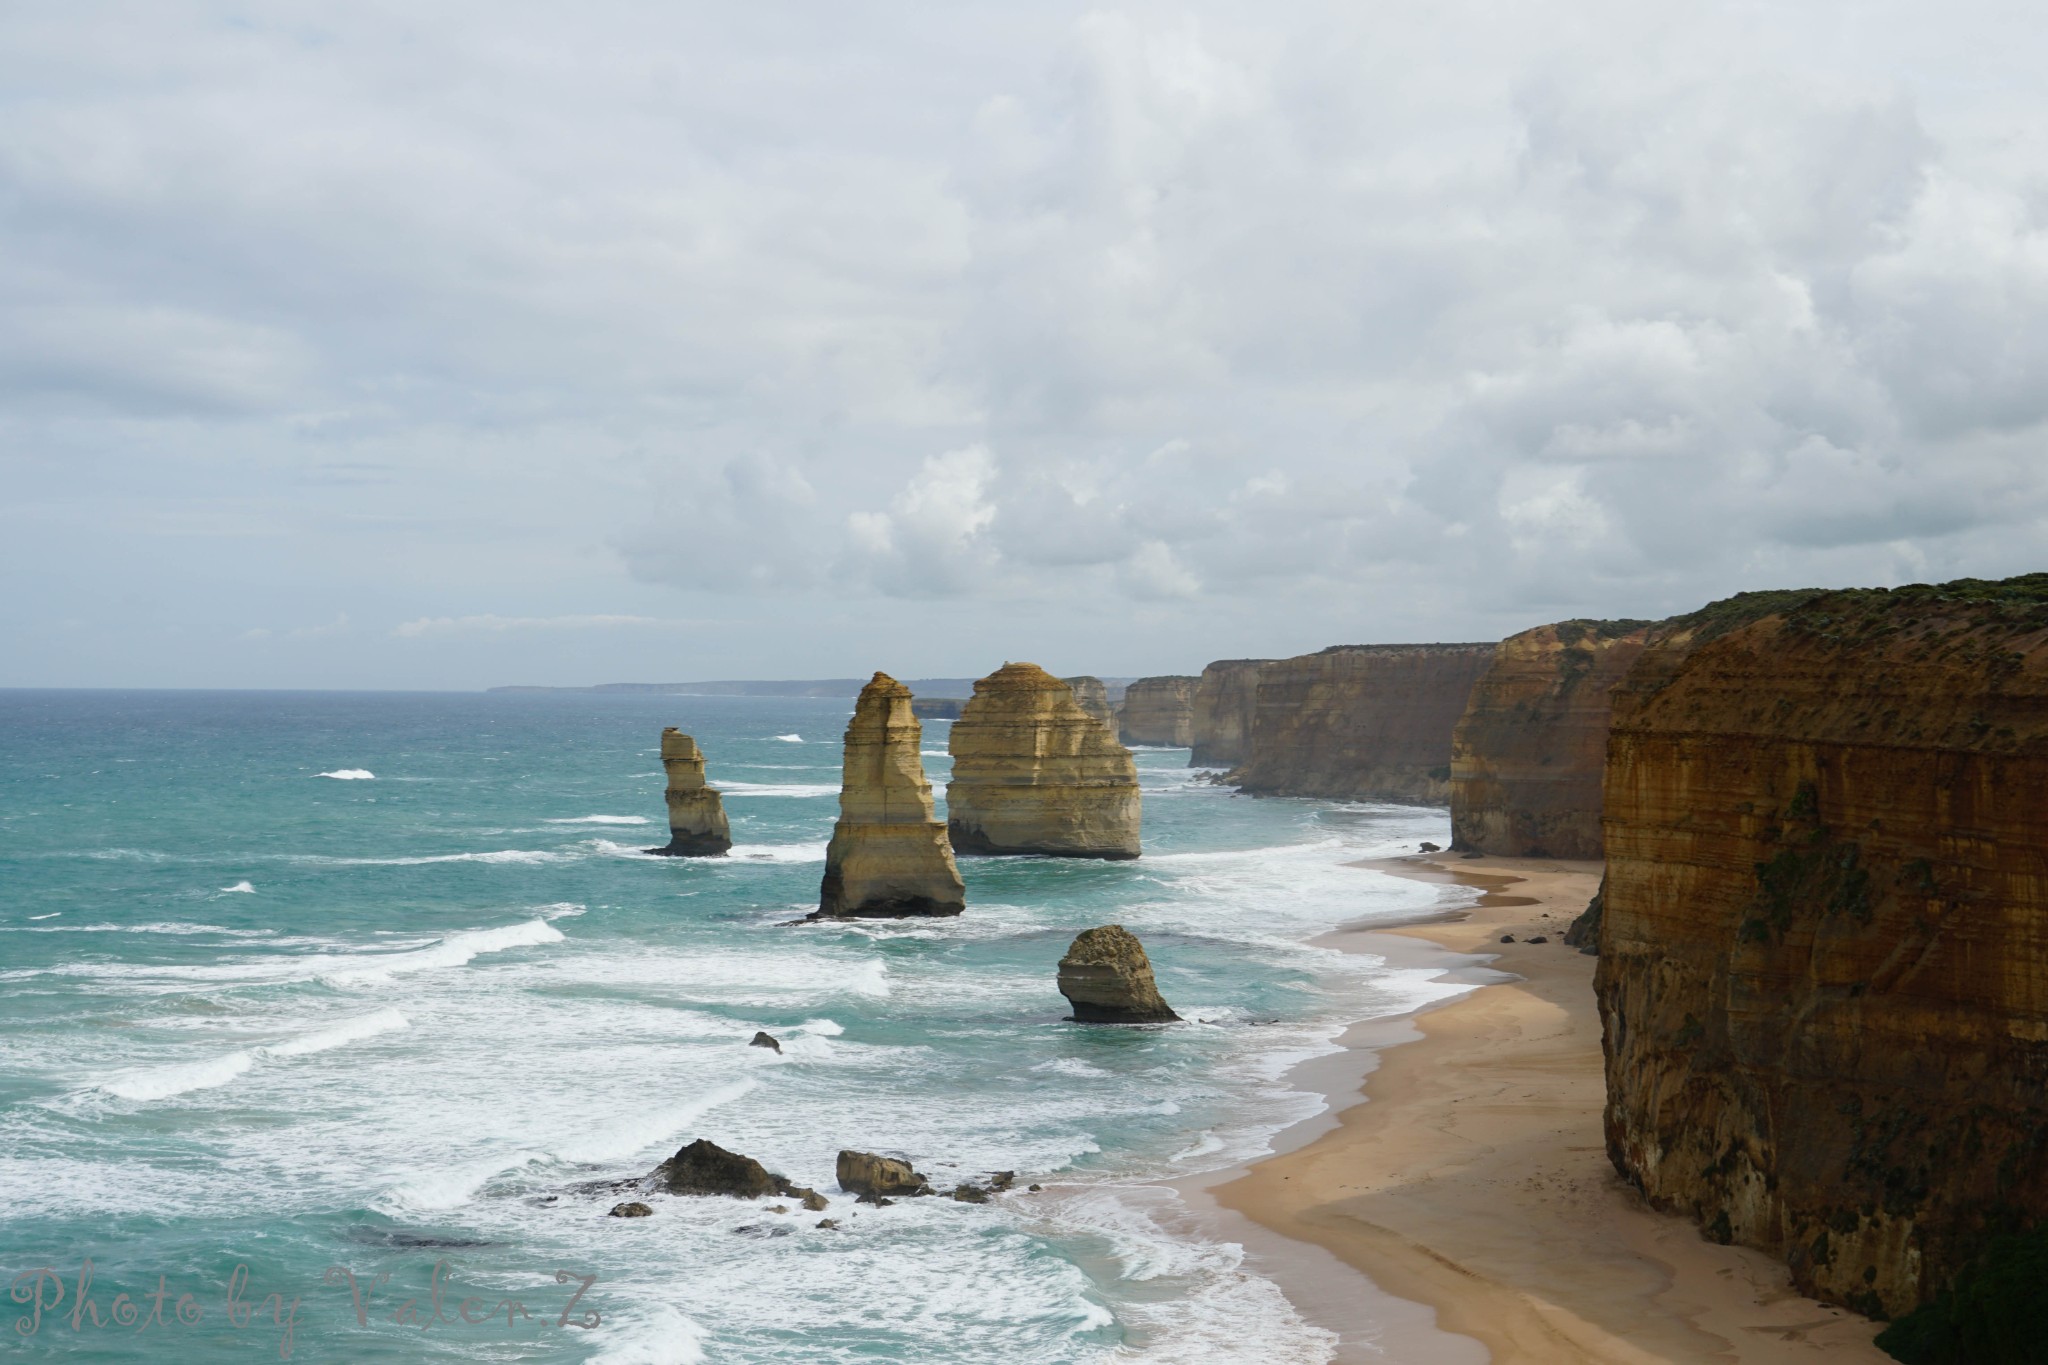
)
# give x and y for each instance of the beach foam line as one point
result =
(350, 775)
(456, 950)
(601, 820)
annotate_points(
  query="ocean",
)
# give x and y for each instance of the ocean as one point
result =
(320, 1007)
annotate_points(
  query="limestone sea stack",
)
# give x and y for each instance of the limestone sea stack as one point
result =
(1823, 972)
(1034, 773)
(1093, 695)
(1107, 978)
(1220, 716)
(1528, 754)
(1158, 711)
(1363, 722)
(888, 856)
(696, 813)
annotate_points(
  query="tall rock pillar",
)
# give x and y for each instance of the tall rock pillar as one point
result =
(1033, 772)
(696, 813)
(888, 856)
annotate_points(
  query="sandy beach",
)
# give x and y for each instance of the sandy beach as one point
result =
(1473, 1180)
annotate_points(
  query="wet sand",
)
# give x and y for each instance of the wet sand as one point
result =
(1473, 1180)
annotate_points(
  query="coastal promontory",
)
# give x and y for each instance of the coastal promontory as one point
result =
(888, 856)
(696, 813)
(1035, 773)
(1823, 965)
(1362, 722)
(1528, 754)
(1158, 711)
(1220, 715)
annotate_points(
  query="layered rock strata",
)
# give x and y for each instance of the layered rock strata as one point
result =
(1364, 722)
(1107, 979)
(696, 813)
(1093, 695)
(888, 856)
(1034, 773)
(1220, 715)
(1823, 964)
(1528, 755)
(1158, 711)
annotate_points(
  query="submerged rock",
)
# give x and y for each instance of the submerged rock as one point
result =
(1107, 978)
(889, 856)
(1034, 773)
(704, 1167)
(873, 1177)
(635, 1209)
(696, 813)
(970, 1194)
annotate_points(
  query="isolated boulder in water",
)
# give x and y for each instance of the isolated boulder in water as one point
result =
(765, 1040)
(707, 1168)
(636, 1209)
(696, 813)
(1107, 978)
(873, 1177)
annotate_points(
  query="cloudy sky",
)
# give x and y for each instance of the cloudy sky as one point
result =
(380, 345)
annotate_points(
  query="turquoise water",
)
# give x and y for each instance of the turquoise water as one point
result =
(292, 981)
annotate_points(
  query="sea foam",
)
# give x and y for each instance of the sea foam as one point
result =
(349, 775)
(602, 820)
(452, 951)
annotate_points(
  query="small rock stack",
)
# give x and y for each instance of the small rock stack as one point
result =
(696, 813)
(1107, 978)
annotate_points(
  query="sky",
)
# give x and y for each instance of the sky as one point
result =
(402, 346)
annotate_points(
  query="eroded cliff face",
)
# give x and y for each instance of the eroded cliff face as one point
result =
(696, 813)
(1220, 719)
(888, 856)
(1824, 940)
(1034, 773)
(1528, 755)
(1371, 722)
(1159, 711)
(1093, 695)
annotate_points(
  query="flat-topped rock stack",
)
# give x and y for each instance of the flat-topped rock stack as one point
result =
(889, 856)
(1528, 754)
(1035, 773)
(1158, 711)
(696, 812)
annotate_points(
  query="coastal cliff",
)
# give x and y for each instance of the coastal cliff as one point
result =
(1158, 711)
(1528, 754)
(1034, 773)
(1369, 722)
(1093, 695)
(1823, 968)
(1220, 716)
(888, 856)
(696, 813)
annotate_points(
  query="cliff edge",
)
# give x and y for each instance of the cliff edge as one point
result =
(1823, 965)
(1528, 755)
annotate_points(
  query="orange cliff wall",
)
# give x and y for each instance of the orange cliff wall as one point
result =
(1528, 754)
(1824, 959)
(1361, 721)
(1220, 717)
